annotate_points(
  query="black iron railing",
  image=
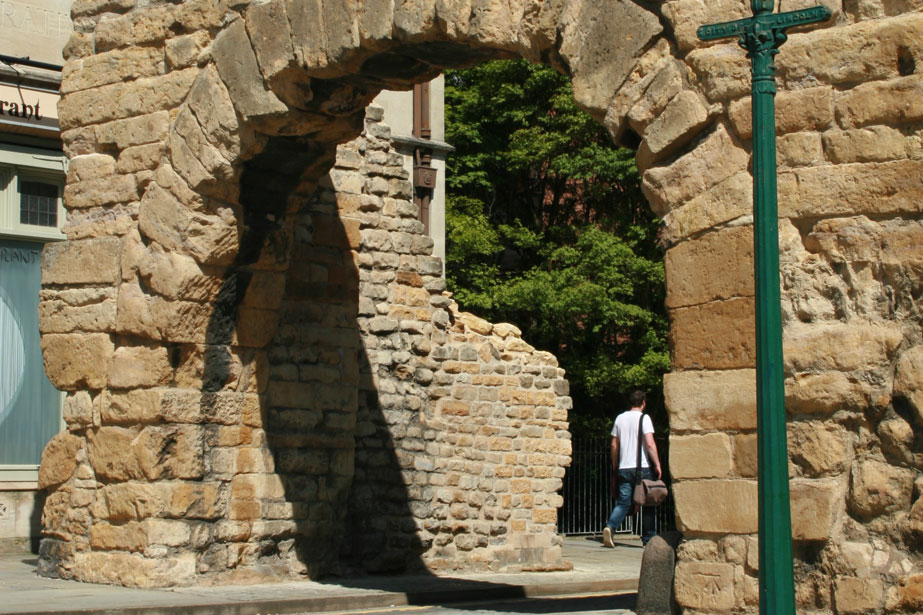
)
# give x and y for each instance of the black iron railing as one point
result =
(587, 503)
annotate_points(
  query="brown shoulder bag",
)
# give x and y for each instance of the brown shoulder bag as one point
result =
(647, 492)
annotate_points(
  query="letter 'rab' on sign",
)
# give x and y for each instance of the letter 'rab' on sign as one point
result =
(21, 110)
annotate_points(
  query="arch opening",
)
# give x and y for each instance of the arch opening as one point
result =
(183, 188)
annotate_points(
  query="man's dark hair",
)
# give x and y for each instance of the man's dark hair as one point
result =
(636, 398)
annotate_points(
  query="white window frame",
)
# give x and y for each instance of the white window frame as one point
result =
(19, 163)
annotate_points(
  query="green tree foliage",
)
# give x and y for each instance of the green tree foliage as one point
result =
(547, 228)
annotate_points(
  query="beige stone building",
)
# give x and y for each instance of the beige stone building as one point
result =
(417, 122)
(261, 366)
(32, 172)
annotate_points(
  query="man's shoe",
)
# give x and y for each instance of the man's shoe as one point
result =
(607, 537)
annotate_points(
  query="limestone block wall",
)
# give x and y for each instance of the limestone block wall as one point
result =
(373, 408)
(256, 356)
(850, 194)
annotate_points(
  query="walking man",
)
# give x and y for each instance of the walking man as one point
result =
(624, 454)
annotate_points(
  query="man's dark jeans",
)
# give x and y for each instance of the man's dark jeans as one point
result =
(623, 504)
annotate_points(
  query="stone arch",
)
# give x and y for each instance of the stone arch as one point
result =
(198, 139)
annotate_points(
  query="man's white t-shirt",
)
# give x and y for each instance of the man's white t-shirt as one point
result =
(626, 430)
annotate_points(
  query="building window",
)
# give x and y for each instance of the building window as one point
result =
(31, 191)
(38, 203)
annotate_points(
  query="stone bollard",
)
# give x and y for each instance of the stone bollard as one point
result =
(655, 586)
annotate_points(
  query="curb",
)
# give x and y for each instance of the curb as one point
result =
(351, 602)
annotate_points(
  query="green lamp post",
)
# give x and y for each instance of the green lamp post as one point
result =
(761, 35)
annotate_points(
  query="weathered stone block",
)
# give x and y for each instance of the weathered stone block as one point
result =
(111, 453)
(716, 507)
(891, 103)
(167, 532)
(857, 596)
(195, 500)
(130, 501)
(857, 345)
(897, 438)
(818, 448)
(601, 52)
(132, 570)
(308, 36)
(237, 65)
(850, 189)
(864, 51)
(130, 407)
(664, 85)
(857, 556)
(139, 366)
(156, 319)
(121, 100)
(170, 452)
(694, 340)
(91, 261)
(140, 158)
(342, 28)
(111, 67)
(796, 111)
(135, 28)
(800, 149)
(268, 26)
(59, 460)
(183, 51)
(151, 128)
(101, 191)
(859, 239)
(257, 486)
(84, 309)
(872, 144)
(210, 102)
(815, 507)
(710, 400)
(712, 267)
(209, 238)
(707, 456)
(705, 586)
(910, 592)
(722, 71)
(683, 118)
(195, 15)
(130, 536)
(90, 166)
(75, 360)
(648, 67)
(824, 393)
(877, 488)
(712, 161)
(191, 154)
(78, 410)
(728, 200)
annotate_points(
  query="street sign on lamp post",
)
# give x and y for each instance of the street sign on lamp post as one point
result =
(761, 35)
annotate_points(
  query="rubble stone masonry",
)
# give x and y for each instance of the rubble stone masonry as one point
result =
(266, 378)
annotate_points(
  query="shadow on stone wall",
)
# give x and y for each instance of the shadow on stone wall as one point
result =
(323, 494)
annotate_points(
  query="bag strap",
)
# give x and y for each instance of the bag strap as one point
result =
(640, 444)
